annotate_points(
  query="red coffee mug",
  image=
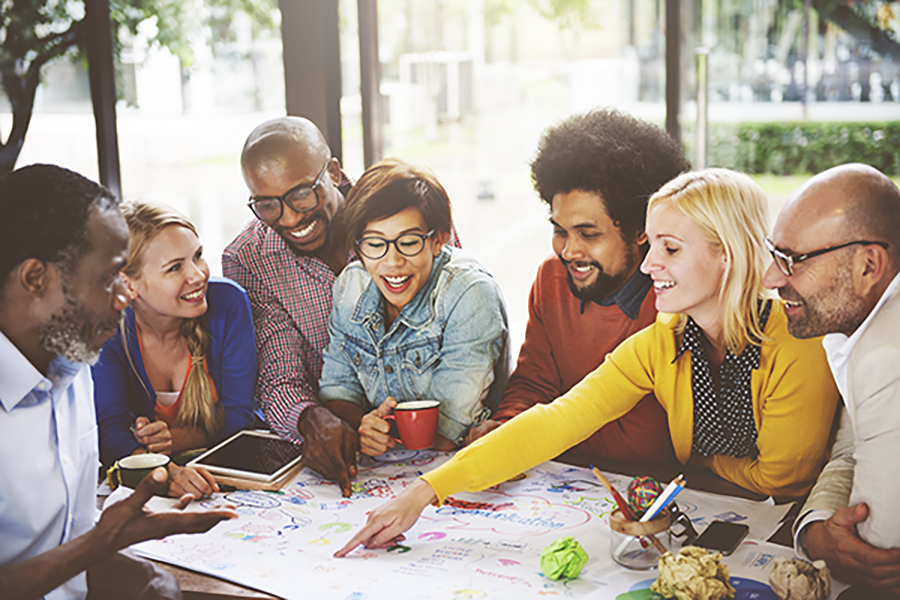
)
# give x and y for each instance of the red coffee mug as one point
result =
(417, 422)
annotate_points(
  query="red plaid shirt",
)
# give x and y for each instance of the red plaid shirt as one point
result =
(291, 300)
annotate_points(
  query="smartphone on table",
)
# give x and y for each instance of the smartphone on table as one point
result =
(722, 536)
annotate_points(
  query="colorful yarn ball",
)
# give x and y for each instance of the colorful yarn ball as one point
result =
(642, 491)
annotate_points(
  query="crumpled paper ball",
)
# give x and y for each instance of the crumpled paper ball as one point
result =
(563, 558)
(693, 574)
(800, 580)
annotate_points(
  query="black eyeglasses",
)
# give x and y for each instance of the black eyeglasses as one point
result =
(408, 244)
(785, 262)
(301, 198)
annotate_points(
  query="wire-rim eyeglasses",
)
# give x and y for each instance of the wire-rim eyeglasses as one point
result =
(785, 262)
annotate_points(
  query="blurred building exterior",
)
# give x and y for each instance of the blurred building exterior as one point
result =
(466, 87)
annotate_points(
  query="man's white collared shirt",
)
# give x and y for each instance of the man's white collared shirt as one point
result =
(838, 347)
(48, 447)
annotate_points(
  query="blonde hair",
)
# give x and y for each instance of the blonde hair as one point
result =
(732, 212)
(145, 222)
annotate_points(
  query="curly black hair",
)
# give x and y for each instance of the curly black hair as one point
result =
(610, 153)
(45, 210)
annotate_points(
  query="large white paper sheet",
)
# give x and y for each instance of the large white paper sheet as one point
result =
(478, 545)
(764, 518)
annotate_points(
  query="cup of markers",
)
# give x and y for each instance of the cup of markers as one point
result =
(636, 544)
(640, 527)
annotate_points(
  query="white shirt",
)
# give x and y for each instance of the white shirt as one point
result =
(838, 347)
(50, 459)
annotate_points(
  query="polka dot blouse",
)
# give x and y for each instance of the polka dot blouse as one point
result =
(723, 422)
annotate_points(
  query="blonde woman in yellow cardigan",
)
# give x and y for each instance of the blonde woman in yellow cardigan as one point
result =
(742, 395)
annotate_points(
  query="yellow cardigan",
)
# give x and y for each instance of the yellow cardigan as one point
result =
(794, 399)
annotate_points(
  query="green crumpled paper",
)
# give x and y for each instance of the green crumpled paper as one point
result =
(563, 558)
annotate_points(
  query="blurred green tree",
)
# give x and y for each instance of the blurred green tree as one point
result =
(34, 32)
(568, 14)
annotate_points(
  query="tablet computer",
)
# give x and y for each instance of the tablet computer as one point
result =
(256, 455)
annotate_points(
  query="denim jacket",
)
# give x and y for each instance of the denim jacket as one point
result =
(450, 343)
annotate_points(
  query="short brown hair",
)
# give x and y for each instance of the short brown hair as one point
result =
(391, 186)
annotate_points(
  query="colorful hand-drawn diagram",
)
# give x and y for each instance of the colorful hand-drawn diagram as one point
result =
(477, 545)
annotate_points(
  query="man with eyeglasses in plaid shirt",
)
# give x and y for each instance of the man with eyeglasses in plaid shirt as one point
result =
(287, 259)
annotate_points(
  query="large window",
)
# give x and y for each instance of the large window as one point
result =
(467, 87)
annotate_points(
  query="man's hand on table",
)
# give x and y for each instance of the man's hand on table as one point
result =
(849, 558)
(386, 524)
(128, 522)
(122, 524)
(329, 446)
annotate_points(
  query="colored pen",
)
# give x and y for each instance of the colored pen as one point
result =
(675, 486)
(623, 505)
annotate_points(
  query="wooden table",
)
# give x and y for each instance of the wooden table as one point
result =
(196, 586)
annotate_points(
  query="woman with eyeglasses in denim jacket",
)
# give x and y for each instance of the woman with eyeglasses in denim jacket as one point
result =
(414, 319)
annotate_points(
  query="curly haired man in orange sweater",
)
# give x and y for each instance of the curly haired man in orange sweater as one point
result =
(596, 172)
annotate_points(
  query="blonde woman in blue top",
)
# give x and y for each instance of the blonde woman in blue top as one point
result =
(413, 319)
(181, 371)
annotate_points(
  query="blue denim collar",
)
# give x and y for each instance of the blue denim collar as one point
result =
(630, 296)
(418, 313)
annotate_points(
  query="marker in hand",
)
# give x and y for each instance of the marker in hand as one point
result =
(153, 435)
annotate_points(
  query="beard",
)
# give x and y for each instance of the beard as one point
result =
(69, 333)
(604, 284)
(837, 310)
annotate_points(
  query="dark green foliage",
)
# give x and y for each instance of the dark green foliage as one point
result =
(805, 146)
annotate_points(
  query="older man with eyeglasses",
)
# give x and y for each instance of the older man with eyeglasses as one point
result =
(287, 259)
(836, 251)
